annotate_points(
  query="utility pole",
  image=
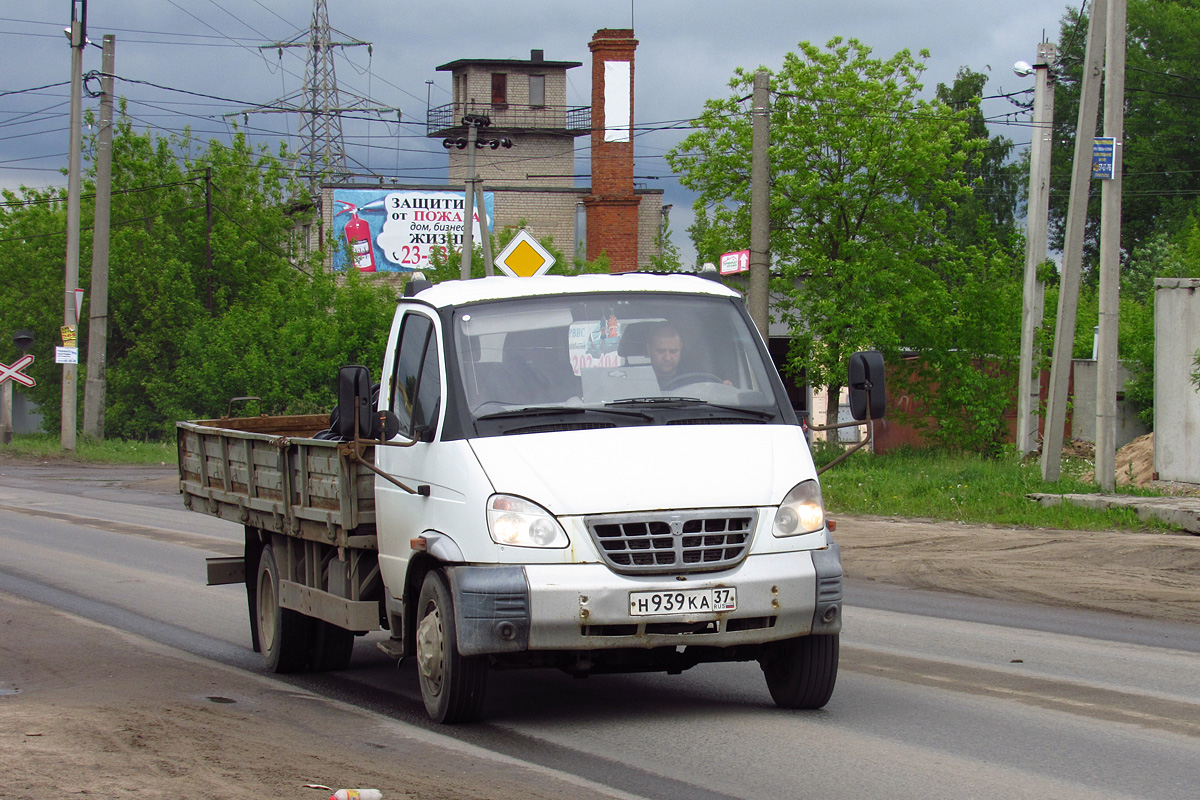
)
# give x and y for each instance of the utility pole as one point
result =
(1110, 251)
(71, 273)
(473, 123)
(1033, 307)
(473, 193)
(94, 388)
(484, 235)
(760, 206)
(1068, 296)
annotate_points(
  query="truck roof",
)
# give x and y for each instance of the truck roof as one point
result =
(455, 293)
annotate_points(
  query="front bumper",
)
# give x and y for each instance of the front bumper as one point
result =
(580, 607)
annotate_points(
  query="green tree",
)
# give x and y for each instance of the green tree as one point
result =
(1161, 174)
(1162, 255)
(186, 333)
(32, 249)
(988, 215)
(865, 180)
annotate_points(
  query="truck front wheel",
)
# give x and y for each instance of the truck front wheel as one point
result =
(453, 686)
(801, 672)
(283, 634)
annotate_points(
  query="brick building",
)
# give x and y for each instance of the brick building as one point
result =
(533, 180)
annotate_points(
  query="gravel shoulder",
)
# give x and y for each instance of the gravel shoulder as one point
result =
(1150, 575)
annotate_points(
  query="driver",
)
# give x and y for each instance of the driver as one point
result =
(664, 348)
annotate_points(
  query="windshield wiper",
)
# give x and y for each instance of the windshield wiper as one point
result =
(536, 411)
(650, 401)
(690, 401)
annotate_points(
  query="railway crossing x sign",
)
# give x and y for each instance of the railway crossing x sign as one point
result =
(14, 372)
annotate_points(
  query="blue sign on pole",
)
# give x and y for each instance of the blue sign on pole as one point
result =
(1103, 150)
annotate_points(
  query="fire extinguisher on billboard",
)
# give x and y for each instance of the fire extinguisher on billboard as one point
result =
(358, 236)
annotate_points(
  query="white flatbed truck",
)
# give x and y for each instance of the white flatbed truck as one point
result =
(529, 490)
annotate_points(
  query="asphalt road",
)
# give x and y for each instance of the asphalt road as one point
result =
(939, 695)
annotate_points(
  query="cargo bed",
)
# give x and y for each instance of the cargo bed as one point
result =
(269, 473)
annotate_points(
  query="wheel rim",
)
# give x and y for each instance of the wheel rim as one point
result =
(267, 609)
(431, 649)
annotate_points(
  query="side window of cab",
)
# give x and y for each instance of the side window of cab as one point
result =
(416, 378)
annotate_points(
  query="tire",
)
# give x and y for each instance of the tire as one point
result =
(332, 646)
(801, 672)
(283, 635)
(453, 686)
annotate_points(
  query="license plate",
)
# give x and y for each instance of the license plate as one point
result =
(683, 601)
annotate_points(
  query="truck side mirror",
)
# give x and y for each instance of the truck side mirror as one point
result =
(354, 391)
(866, 382)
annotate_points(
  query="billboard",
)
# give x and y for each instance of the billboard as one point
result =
(395, 230)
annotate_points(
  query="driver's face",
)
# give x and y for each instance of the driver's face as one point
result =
(664, 353)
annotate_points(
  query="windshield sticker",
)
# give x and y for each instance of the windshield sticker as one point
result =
(594, 344)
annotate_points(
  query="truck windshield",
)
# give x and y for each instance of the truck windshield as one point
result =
(610, 352)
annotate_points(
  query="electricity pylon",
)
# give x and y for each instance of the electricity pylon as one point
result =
(322, 152)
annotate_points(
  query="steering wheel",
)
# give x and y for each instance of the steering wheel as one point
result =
(675, 381)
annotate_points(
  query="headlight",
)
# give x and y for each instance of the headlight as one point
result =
(801, 511)
(520, 523)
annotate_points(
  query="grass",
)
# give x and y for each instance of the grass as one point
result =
(968, 488)
(48, 447)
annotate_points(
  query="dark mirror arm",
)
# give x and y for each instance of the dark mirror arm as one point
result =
(354, 452)
(855, 448)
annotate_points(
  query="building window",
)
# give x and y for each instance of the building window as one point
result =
(537, 91)
(499, 89)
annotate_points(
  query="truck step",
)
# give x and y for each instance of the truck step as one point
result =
(393, 647)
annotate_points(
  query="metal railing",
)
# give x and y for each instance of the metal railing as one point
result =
(572, 119)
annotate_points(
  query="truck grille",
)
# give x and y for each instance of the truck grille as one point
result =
(673, 541)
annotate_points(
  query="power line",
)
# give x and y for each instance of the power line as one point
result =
(34, 88)
(115, 224)
(134, 190)
(95, 28)
(191, 93)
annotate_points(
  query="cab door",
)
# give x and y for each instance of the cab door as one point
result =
(413, 388)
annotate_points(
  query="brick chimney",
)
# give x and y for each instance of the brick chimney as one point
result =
(612, 207)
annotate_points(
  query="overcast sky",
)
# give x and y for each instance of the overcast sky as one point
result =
(687, 52)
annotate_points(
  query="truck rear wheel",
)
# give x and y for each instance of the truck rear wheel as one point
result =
(283, 634)
(453, 686)
(332, 646)
(801, 672)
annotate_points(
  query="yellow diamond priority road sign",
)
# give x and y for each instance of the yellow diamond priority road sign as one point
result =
(524, 257)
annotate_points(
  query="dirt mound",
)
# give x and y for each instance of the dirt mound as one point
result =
(1135, 462)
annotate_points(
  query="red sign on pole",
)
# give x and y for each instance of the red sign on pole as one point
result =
(735, 262)
(14, 372)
